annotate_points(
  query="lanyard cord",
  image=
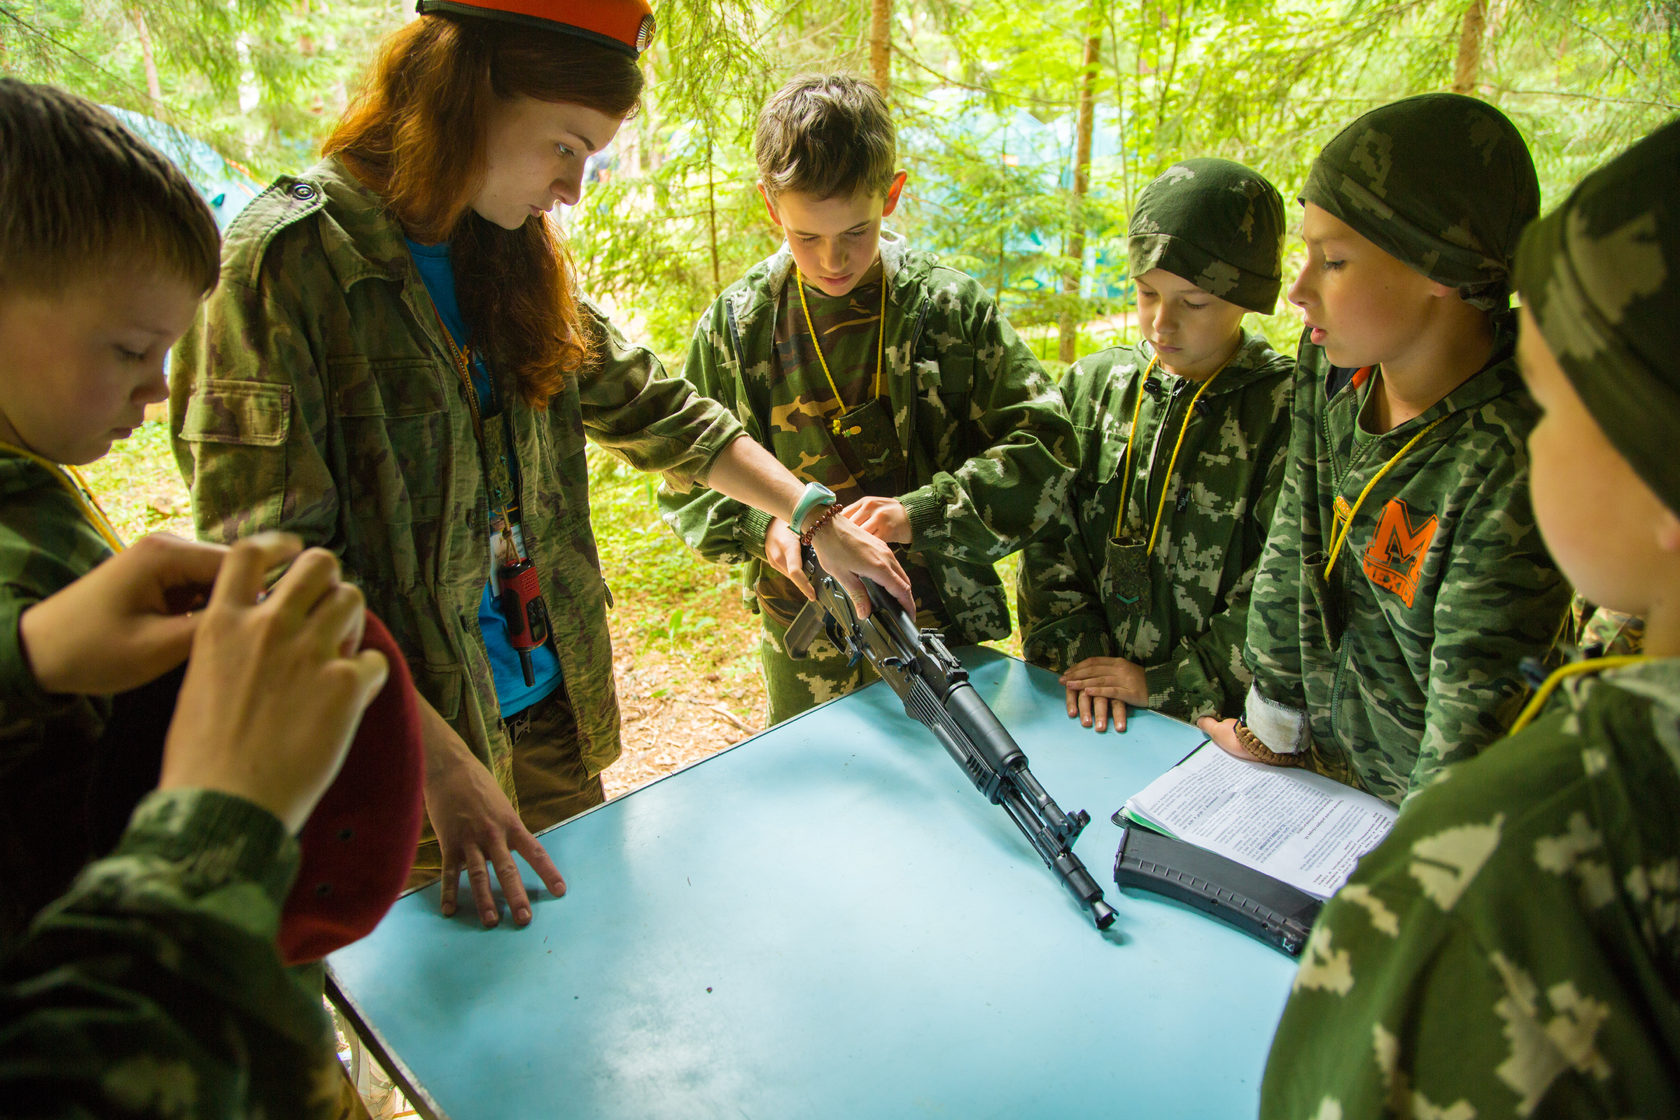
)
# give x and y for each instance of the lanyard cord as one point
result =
(73, 481)
(1125, 486)
(461, 358)
(1575, 668)
(1339, 533)
(880, 342)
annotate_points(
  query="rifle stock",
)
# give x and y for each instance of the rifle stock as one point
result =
(936, 693)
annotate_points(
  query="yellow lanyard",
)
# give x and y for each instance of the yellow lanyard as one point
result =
(1590, 665)
(73, 481)
(1342, 526)
(1131, 436)
(880, 342)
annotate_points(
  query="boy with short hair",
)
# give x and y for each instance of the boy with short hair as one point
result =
(1404, 580)
(105, 251)
(1148, 605)
(869, 368)
(1511, 948)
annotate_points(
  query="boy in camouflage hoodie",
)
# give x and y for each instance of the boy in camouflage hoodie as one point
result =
(105, 252)
(1187, 427)
(1404, 580)
(871, 369)
(1511, 949)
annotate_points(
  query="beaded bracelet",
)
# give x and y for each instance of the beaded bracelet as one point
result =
(823, 518)
(1251, 743)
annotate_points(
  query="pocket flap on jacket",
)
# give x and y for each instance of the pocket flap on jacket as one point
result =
(252, 413)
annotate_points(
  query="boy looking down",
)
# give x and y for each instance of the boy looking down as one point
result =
(1148, 605)
(869, 368)
(1404, 580)
(1510, 949)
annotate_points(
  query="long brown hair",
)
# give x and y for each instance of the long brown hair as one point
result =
(416, 132)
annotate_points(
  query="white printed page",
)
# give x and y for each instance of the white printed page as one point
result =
(1302, 828)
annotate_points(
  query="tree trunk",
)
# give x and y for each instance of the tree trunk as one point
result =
(711, 214)
(880, 44)
(1471, 34)
(1068, 342)
(154, 89)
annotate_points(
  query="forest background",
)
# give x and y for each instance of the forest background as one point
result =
(1027, 129)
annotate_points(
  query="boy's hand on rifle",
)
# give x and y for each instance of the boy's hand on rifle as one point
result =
(781, 549)
(847, 552)
(125, 623)
(882, 517)
(276, 685)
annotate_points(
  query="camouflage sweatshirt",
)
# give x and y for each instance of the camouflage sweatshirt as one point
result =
(153, 988)
(48, 743)
(986, 447)
(1511, 948)
(1408, 657)
(1182, 610)
(316, 393)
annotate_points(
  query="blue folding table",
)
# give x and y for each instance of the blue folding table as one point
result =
(828, 920)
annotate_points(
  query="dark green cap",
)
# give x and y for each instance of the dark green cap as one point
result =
(1441, 182)
(1601, 276)
(1216, 224)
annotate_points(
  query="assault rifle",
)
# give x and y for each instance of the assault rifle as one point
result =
(934, 687)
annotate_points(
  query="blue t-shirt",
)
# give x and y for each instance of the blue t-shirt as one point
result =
(512, 693)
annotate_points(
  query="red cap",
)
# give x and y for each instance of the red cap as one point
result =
(625, 25)
(359, 843)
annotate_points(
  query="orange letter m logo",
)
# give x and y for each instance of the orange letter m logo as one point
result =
(1396, 554)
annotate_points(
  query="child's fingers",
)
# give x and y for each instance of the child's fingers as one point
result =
(178, 565)
(239, 581)
(310, 578)
(1073, 703)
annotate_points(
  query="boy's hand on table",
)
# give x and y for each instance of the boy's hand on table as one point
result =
(477, 828)
(1100, 686)
(129, 620)
(882, 517)
(847, 552)
(781, 548)
(1223, 733)
(276, 687)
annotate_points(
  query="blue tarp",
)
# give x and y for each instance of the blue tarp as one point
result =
(226, 187)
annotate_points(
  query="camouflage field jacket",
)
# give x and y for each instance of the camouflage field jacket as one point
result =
(1182, 610)
(153, 988)
(316, 393)
(47, 742)
(986, 443)
(1511, 948)
(1408, 657)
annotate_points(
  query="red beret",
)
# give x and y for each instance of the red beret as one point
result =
(360, 841)
(625, 25)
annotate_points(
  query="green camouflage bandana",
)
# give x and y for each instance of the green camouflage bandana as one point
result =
(1216, 224)
(1601, 274)
(1441, 182)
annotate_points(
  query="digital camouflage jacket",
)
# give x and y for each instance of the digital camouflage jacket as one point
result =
(1180, 611)
(1511, 948)
(153, 988)
(1407, 658)
(47, 743)
(316, 393)
(986, 446)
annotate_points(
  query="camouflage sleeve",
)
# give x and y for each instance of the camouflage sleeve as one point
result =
(247, 403)
(1501, 599)
(651, 420)
(1206, 674)
(717, 527)
(45, 545)
(1272, 647)
(153, 988)
(987, 507)
(1057, 594)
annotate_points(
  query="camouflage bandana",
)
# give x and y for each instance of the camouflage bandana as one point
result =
(1441, 182)
(1216, 224)
(1599, 274)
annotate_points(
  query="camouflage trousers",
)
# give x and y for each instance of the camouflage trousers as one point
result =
(798, 686)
